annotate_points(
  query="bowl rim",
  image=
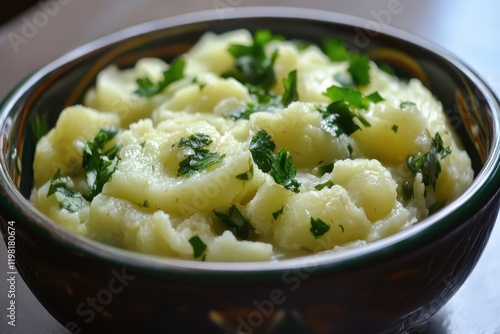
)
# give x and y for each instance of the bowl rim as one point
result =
(484, 186)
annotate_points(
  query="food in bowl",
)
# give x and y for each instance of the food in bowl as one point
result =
(249, 148)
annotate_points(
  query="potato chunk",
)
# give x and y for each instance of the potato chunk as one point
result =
(369, 184)
(333, 206)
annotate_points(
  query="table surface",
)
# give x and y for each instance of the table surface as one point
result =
(468, 29)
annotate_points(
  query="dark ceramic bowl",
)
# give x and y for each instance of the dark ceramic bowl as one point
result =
(393, 285)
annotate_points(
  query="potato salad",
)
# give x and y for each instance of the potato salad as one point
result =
(249, 147)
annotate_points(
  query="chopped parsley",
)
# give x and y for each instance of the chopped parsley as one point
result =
(68, 199)
(322, 170)
(352, 96)
(359, 65)
(248, 175)
(147, 88)
(394, 128)
(266, 101)
(278, 213)
(428, 163)
(339, 116)
(335, 49)
(407, 190)
(199, 247)
(338, 119)
(318, 227)
(251, 65)
(235, 222)
(99, 164)
(279, 166)
(145, 204)
(359, 68)
(327, 184)
(199, 158)
(290, 84)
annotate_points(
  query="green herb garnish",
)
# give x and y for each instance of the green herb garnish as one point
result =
(338, 119)
(359, 65)
(278, 213)
(352, 96)
(99, 164)
(235, 222)
(359, 69)
(200, 158)
(248, 175)
(339, 116)
(407, 190)
(318, 227)
(325, 169)
(68, 199)
(199, 247)
(327, 184)
(279, 166)
(394, 128)
(251, 65)
(428, 163)
(336, 50)
(290, 84)
(147, 88)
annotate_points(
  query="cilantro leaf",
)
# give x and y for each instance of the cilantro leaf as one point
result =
(199, 247)
(201, 158)
(318, 227)
(321, 170)
(374, 97)
(284, 172)
(279, 166)
(68, 199)
(262, 149)
(251, 64)
(428, 163)
(147, 88)
(248, 175)
(235, 222)
(359, 65)
(99, 165)
(352, 96)
(394, 128)
(278, 213)
(197, 140)
(407, 190)
(338, 119)
(290, 84)
(335, 50)
(327, 184)
(359, 68)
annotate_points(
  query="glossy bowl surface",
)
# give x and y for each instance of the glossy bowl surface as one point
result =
(393, 285)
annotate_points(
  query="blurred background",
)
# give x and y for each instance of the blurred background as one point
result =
(33, 34)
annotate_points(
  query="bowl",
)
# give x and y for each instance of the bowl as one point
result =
(389, 286)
